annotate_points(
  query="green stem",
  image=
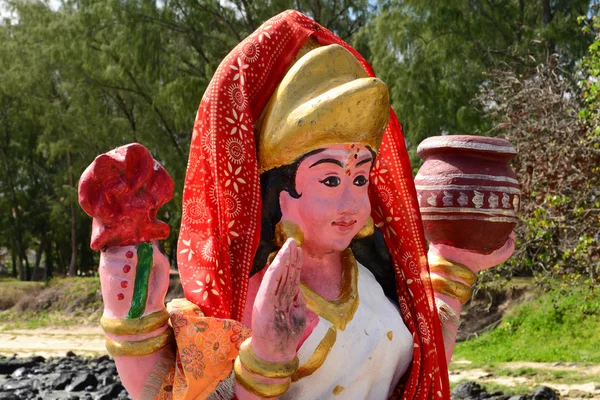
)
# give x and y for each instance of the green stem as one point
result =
(142, 276)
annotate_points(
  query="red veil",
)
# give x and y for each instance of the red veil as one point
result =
(221, 219)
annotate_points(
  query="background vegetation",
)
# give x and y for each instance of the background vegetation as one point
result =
(80, 77)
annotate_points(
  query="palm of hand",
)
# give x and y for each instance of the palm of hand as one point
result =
(279, 311)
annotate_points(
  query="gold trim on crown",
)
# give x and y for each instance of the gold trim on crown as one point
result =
(325, 98)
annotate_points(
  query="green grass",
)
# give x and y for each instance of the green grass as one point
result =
(560, 325)
(11, 290)
(63, 302)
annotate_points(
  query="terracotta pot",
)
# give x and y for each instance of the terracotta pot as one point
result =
(468, 195)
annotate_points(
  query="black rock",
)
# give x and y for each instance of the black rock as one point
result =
(104, 358)
(70, 354)
(20, 372)
(106, 380)
(467, 390)
(9, 366)
(61, 382)
(544, 393)
(80, 382)
(8, 396)
(109, 392)
(13, 385)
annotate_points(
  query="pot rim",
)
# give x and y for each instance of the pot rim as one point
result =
(470, 143)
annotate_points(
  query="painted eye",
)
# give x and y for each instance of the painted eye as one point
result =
(360, 180)
(331, 181)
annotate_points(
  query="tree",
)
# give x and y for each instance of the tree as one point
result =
(434, 56)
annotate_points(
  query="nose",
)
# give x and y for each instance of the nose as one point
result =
(348, 204)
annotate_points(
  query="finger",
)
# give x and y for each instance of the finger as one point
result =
(290, 276)
(272, 281)
(298, 269)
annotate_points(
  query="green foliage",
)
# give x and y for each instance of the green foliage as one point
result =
(93, 75)
(435, 56)
(560, 325)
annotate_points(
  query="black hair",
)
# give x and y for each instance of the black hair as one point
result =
(370, 251)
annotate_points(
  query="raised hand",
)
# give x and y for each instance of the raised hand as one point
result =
(279, 311)
(475, 261)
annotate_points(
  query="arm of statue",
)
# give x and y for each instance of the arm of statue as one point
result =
(267, 360)
(122, 191)
(134, 283)
(449, 306)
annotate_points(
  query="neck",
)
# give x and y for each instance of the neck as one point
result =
(322, 272)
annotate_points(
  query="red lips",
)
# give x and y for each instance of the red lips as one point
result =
(344, 226)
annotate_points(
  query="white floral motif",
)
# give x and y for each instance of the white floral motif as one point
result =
(238, 97)
(240, 68)
(233, 177)
(232, 204)
(385, 221)
(195, 211)
(231, 232)
(378, 172)
(188, 249)
(408, 261)
(423, 329)
(208, 250)
(235, 151)
(264, 33)
(238, 123)
(206, 141)
(386, 195)
(250, 51)
(205, 287)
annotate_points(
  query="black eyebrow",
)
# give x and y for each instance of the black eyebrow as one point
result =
(328, 160)
(364, 161)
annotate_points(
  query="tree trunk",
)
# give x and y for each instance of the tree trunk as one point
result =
(13, 256)
(521, 20)
(38, 256)
(546, 12)
(48, 262)
(73, 263)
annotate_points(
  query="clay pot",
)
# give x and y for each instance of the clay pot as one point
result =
(468, 195)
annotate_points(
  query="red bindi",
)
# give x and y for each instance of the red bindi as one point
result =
(120, 296)
(124, 284)
(129, 254)
(127, 268)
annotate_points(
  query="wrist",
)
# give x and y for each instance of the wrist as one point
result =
(265, 351)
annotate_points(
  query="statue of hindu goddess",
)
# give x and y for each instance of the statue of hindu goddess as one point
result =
(301, 250)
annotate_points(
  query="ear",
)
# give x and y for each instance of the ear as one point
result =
(286, 204)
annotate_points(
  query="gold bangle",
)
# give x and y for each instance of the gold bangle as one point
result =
(450, 268)
(139, 347)
(257, 365)
(456, 290)
(135, 326)
(251, 384)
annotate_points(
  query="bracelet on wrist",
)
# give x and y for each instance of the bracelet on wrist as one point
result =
(453, 289)
(253, 385)
(135, 326)
(257, 365)
(442, 265)
(140, 347)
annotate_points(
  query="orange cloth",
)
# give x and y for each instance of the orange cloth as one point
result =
(206, 350)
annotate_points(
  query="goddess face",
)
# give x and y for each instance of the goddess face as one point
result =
(334, 202)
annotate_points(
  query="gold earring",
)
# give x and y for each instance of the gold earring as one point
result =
(366, 230)
(287, 229)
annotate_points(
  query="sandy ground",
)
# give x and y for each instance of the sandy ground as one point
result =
(590, 389)
(85, 341)
(89, 341)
